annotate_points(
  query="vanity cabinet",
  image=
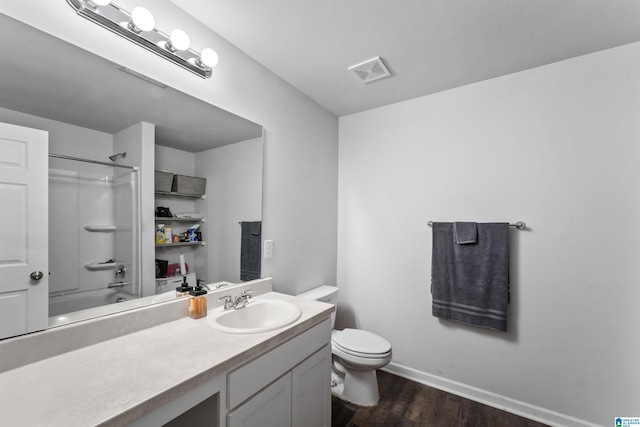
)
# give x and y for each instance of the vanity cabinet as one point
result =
(288, 386)
(311, 390)
(270, 407)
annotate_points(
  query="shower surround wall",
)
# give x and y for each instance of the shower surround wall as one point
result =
(80, 202)
(557, 147)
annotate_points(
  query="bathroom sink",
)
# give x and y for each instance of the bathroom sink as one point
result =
(259, 315)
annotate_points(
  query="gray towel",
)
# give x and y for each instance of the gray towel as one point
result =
(470, 283)
(250, 251)
(465, 233)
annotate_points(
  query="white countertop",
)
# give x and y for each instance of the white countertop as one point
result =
(117, 381)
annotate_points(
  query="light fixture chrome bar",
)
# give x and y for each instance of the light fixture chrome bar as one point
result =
(117, 20)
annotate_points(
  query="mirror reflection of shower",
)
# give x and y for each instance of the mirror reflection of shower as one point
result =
(94, 233)
(117, 156)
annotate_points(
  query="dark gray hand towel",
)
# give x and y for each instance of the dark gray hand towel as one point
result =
(250, 250)
(470, 283)
(465, 232)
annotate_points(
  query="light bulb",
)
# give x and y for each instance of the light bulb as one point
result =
(208, 58)
(179, 41)
(141, 20)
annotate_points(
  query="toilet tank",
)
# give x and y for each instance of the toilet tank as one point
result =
(324, 293)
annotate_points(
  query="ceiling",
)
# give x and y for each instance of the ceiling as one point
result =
(428, 45)
(83, 89)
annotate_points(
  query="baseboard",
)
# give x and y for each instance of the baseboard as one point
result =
(507, 404)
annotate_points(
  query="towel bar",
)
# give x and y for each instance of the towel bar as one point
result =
(519, 225)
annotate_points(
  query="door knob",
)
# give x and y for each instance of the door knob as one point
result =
(36, 275)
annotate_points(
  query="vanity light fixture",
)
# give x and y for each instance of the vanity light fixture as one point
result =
(139, 27)
(141, 20)
(178, 40)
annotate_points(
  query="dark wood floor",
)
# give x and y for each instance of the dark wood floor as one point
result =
(404, 403)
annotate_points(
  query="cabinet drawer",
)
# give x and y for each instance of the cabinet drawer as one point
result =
(255, 375)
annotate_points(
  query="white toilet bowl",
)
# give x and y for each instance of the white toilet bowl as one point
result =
(357, 355)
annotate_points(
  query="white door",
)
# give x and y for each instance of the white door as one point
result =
(24, 230)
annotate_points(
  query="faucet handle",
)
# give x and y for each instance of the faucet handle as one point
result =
(246, 293)
(228, 301)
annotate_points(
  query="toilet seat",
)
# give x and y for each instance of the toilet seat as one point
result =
(360, 343)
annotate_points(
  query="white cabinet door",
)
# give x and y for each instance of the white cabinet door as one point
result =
(24, 230)
(311, 391)
(269, 408)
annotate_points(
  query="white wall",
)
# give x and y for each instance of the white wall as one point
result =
(300, 173)
(556, 147)
(138, 141)
(64, 138)
(234, 194)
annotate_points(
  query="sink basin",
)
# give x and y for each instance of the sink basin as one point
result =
(259, 315)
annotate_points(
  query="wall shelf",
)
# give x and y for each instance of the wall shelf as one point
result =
(174, 194)
(176, 219)
(173, 245)
(101, 228)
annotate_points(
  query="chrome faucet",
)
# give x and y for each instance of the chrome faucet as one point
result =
(243, 299)
(240, 302)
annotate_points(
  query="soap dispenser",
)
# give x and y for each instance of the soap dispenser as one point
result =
(183, 290)
(197, 302)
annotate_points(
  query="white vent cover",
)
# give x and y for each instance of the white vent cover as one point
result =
(371, 70)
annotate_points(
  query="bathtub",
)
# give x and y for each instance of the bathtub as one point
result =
(83, 305)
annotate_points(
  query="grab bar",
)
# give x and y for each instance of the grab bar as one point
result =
(119, 284)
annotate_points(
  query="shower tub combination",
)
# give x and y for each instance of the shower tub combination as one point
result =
(94, 234)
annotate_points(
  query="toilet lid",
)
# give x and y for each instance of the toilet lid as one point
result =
(363, 342)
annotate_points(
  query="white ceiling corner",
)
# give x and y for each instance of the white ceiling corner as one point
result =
(430, 45)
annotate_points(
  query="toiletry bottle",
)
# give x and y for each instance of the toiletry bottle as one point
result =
(183, 291)
(160, 239)
(192, 233)
(167, 234)
(197, 302)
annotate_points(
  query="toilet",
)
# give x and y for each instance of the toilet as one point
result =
(357, 354)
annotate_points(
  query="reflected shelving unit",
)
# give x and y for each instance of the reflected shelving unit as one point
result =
(179, 220)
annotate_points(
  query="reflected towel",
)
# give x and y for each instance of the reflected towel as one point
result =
(250, 254)
(470, 283)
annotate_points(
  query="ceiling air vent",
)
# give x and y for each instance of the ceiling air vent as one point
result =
(371, 70)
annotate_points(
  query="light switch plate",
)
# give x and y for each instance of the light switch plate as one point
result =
(268, 249)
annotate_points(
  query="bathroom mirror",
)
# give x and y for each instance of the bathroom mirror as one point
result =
(72, 92)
